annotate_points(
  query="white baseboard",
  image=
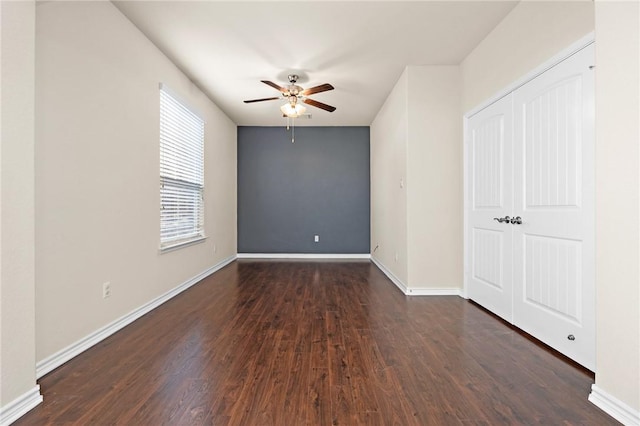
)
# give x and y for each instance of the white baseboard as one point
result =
(416, 291)
(437, 291)
(397, 281)
(56, 360)
(20, 406)
(303, 256)
(614, 407)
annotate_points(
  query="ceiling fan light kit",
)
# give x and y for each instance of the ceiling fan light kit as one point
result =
(292, 111)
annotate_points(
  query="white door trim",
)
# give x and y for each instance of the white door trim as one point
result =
(546, 65)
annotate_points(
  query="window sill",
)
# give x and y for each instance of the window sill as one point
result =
(181, 244)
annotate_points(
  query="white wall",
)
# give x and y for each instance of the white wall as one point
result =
(97, 173)
(618, 197)
(434, 179)
(416, 180)
(389, 137)
(533, 32)
(17, 285)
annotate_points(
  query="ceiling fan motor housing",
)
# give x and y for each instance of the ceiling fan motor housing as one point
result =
(293, 89)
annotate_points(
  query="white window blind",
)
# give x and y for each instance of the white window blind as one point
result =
(181, 173)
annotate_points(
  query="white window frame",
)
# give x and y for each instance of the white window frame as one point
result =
(181, 173)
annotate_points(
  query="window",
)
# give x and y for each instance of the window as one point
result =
(181, 173)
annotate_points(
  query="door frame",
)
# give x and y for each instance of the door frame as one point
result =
(550, 63)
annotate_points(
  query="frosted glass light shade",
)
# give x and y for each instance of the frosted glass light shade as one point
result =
(292, 111)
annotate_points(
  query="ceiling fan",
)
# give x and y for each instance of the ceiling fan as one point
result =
(294, 93)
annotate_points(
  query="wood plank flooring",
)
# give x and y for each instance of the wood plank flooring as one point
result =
(315, 343)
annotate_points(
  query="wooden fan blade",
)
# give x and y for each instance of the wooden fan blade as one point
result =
(275, 86)
(261, 100)
(317, 89)
(319, 105)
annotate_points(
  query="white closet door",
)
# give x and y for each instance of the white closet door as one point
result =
(490, 196)
(554, 290)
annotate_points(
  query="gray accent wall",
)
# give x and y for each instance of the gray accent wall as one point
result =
(289, 192)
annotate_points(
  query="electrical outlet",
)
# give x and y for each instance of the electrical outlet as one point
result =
(396, 257)
(106, 290)
(316, 238)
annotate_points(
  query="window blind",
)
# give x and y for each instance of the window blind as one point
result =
(181, 173)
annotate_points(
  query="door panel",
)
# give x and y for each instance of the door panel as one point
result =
(488, 255)
(553, 248)
(552, 158)
(553, 272)
(490, 193)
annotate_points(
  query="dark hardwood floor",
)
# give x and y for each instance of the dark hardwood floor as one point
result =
(315, 343)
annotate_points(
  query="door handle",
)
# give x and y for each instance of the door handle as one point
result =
(516, 220)
(502, 219)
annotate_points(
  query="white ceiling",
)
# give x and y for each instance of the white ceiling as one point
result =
(360, 47)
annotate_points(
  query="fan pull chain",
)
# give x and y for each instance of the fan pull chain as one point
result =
(293, 128)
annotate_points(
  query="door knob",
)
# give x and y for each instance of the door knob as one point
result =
(516, 220)
(502, 219)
